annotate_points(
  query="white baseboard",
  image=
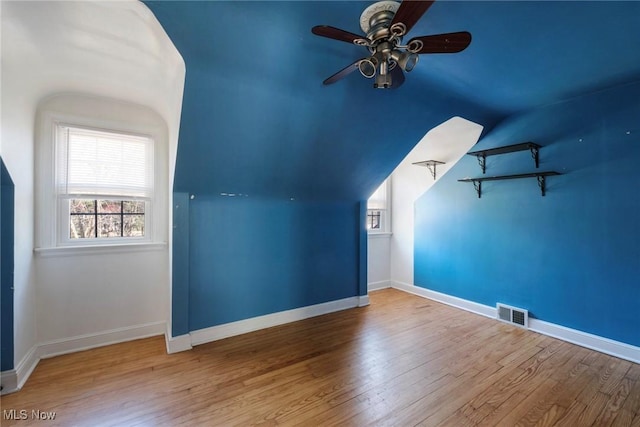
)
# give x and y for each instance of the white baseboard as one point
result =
(9, 382)
(583, 339)
(113, 336)
(14, 379)
(177, 344)
(464, 304)
(374, 286)
(363, 300)
(219, 332)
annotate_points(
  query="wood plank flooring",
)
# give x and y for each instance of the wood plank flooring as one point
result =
(402, 361)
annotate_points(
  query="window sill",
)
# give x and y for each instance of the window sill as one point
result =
(99, 249)
(379, 235)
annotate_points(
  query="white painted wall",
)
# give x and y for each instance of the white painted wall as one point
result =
(378, 261)
(96, 294)
(105, 48)
(447, 142)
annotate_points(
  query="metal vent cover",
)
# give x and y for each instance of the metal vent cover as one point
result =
(504, 313)
(515, 316)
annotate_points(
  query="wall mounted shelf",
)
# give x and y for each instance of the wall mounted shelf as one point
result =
(541, 177)
(483, 154)
(431, 165)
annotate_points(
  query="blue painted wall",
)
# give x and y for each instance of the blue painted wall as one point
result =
(254, 256)
(257, 120)
(363, 282)
(571, 257)
(6, 268)
(180, 265)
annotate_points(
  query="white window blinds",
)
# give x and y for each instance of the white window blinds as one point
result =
(97, 163)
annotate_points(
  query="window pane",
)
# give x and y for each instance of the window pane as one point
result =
(82, 226)
(82, 206)
(109, 206)
(373, 220)
(98, 162)
(133, 226)
(133, 207)
(109, 226)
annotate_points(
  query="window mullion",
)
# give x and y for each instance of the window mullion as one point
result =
(121, 218)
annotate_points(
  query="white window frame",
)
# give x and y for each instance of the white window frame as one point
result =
(385, 211)
(63, 214)
(51, 233)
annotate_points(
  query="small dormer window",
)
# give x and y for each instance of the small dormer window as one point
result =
(378, 210)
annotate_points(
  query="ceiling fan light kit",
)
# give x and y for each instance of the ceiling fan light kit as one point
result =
(385, 23)
(406, 60)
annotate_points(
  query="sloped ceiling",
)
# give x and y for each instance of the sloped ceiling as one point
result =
(257, 120)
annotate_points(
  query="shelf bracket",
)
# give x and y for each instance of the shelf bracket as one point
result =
(535, 154)
(478, 186)
(482, 159)
(431, 165)
(432, 169)
(542, 184)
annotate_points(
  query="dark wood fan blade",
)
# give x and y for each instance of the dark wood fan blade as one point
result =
(444, 43)
(335, 33)
(410, 11)
(342, 73)
(397, 77)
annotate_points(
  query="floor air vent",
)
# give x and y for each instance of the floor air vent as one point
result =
(513, 315)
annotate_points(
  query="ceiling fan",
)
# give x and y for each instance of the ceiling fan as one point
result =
(385, 23)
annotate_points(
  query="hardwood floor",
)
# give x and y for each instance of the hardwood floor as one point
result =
(402, 361)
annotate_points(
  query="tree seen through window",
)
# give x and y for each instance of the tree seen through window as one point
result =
(94, 218)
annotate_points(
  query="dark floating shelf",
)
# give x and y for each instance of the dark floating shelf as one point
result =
(541, 176)
(431, 165)
(483, 154)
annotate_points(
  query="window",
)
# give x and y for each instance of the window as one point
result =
(104, 185)
(373, 219)
(378, 211)
(101, 177)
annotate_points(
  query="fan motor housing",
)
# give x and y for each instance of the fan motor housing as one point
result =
(379, 25)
